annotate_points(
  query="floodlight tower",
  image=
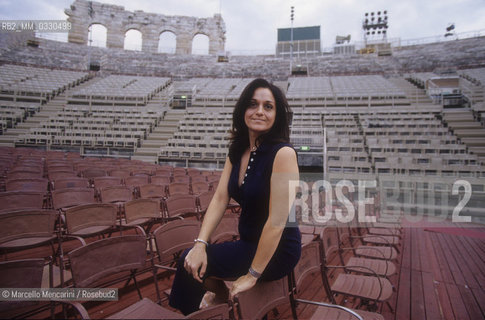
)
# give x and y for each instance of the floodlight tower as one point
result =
(450, 30)
(375, 23)
(292, 16)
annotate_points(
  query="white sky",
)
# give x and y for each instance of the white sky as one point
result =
(251, 25)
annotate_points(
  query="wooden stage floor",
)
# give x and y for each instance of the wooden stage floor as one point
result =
(442, 273)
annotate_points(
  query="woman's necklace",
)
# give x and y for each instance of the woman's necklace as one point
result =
(254, 149)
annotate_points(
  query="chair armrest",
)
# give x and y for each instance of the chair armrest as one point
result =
(70, 236)
(374, 236)
(164, 267)
(372, 248)
(329, 305)
(393, 233)
(122, 227)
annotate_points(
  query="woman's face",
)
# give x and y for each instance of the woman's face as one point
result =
(261, 112)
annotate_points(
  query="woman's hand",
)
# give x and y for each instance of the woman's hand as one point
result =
(196, 261)
(242, 284)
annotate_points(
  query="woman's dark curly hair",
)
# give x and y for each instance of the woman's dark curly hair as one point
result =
(279, 132)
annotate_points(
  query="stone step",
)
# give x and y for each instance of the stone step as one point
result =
(154, 143)
(479, 151)
(465, 125)
(147, 151)
(15, 131)
(474, 141)
(7, 138)
(6, 144)
(470, 133)
(159, 136)
(27, 125)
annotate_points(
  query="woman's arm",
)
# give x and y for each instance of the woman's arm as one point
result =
(285, 168)
(196, 259)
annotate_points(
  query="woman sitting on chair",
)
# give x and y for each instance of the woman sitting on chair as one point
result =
(260, 164)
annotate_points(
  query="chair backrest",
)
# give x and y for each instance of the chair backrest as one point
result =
(181, 178)
(21, 199)
(214, 184)
(90, 215)
(101, 182)
(66, 198)
(310, 262)
(26, 223)
(142, 208)
(330, 242)
(19, 174)
(256, 302)
(152, 191)
(33, 166)
(178, 188)
(343, 234)
(136, 181)
(193, 172)
(200, 187)
(205, 199)
(59, 167)
(27, 184)
(120, 173)
(197, 178)
(214, 179)
(175, 236)
(19, 274)
(219, 311)
(93, 173)
(160, 180)
(180, 204)
(141, 172)
(61, 174)
(164, 171)
(178, 171)
(72, 182)
(116, 194)
(92, 263)
(227, 229)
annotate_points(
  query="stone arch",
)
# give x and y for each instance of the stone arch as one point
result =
(116, 19)
(200, 44)
(97, 33)
(133, 39)
(167, 42)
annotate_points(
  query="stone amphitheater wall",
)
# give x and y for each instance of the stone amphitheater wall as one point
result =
(82, 14)
(451, 55)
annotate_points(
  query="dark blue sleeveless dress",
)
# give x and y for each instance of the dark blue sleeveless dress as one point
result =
(233, 259)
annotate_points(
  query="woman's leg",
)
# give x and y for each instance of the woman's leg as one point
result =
(225, 260)
(186, 292)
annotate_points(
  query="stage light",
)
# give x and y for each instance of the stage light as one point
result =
(375, 23)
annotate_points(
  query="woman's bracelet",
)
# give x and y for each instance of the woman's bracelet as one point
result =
(201, 241)
(254, 273)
